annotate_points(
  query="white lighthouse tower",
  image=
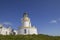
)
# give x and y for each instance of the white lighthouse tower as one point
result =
(26, 27)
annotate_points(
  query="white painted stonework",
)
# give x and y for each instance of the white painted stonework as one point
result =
(28, 31)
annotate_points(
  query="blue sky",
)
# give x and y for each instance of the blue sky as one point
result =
(44, 14)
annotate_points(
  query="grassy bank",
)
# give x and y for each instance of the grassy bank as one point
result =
(29, 37)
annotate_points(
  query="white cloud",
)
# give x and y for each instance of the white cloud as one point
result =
(53, 21)
(7, 23)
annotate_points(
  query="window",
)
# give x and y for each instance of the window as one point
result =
(6, 32)
(25, 31)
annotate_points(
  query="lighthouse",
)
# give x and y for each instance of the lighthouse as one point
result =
(26, 28)
(26, 20)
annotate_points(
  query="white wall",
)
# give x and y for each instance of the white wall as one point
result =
(5, 31)
(29, 31)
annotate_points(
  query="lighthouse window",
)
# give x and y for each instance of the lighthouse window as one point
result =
(6, 32)
(24, 30)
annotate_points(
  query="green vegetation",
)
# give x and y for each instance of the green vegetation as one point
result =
(29, 37)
